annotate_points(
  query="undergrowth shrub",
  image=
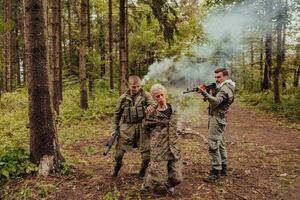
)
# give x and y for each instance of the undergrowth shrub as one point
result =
(289, 106)
(14, 163)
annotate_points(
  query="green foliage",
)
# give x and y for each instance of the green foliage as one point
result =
(45, 189)
(14, 120)
(66, 168)
(289, 107)
(26, 193)
(113, 195)
(14, 163)
(101, 105)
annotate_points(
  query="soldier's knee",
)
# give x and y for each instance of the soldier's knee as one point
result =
(212, 146)
(119, 155)
(146, 156)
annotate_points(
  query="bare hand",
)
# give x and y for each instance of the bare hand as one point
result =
(149, 109)
(201, 88)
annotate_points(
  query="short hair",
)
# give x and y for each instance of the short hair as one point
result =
(223, 70)
(134, 79)
(156, 87)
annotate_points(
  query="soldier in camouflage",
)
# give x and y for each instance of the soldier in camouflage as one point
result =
(129, 113)
(165, 167)
(218, 107)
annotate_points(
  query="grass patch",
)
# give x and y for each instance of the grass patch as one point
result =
(289, 107)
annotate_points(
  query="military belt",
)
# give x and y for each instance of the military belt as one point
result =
(218, 114)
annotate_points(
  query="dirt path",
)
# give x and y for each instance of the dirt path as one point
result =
(263, 164)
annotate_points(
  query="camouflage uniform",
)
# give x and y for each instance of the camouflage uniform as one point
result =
(129, 113)
(165, 167)
(218, 106)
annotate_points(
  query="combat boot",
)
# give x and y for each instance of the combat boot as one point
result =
(143, 169)
(142, 174)
(116, 169)
(224, 170)
(213, 176)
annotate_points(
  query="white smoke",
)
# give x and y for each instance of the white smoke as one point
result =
(226, 29)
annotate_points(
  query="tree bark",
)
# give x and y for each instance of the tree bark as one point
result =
(279, 57)
(126, 40)
(55, 55)
(82, 55)
(102, 47)
(268, 46)
(89, 42)
(297, 70)
(60, 50)
(25, 66)
(71, 48)
(44, 149)
(10, 50)
(251, 55)
(261, 61)
(122, 48)
(110, 44)
(15, 44)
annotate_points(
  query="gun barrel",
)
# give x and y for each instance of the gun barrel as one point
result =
(106, 150)
(191, 90)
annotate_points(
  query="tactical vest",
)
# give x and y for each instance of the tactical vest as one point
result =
(221, 109)
(134, 114)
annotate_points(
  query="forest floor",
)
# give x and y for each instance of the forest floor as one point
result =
(264, 159)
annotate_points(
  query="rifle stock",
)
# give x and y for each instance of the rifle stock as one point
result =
(111, 142)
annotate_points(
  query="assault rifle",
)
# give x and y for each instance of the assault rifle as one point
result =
(208, 88)
(111, 142)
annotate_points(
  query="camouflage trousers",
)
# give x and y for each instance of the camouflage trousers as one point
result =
(216, 143)
(162, 174)
(145, 155)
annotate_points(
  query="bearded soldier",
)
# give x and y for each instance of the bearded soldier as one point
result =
(218, 107)
(129, 113)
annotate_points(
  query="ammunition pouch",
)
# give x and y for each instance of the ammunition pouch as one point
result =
(133, 114)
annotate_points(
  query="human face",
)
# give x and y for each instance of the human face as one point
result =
(134, 87)
(220, 78)
(160, 97)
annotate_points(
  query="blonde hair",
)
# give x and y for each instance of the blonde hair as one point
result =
(156, 87)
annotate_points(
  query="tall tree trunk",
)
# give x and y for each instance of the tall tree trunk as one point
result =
(297, 70)
(261, 61)
(268, 47)
(72, 69)
(44, 149)
(25, 60)
(251, 55)
(268, 63)
(122, 48)
(110, 44)
(60, 52)
(102, 47)
(16, 50)
(82, 55)
(285, 18)
(89, 65)
(278, 57)
(126, 39)
(55, 56)
(10, 50)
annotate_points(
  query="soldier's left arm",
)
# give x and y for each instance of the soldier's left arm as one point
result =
(221, 96)
(149, 101)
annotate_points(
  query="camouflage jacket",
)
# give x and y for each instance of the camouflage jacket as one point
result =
(164, 135)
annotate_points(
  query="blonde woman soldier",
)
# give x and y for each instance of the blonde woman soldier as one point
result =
(165, 167)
